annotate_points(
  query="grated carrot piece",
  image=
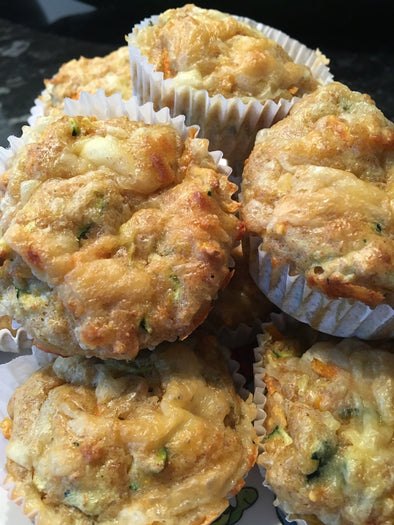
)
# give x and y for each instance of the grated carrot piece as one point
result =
(271, 383)
(6, 427)
(166, 65)
(324, 369)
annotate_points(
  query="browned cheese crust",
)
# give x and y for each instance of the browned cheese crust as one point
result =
(211, 50)
(329, 451)
(116, 235)
(162, 440)
(110, 72)
(319, 189)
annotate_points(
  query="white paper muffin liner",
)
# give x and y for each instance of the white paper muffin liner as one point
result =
(20, 342)
(229, 124)
(39, 109)
(338, 317)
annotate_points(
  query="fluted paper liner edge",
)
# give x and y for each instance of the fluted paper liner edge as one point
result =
(339, 317)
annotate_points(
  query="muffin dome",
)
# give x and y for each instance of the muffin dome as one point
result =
(110, 72)
(318, 189)
(223, 72)
(164, 439)
(327, 452)
(116, 235)
(211, 50)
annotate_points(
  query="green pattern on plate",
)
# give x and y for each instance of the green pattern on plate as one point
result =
(244, 500)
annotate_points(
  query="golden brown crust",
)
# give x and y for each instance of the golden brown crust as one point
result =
(162, 440)
(318, 188)
(211, 50)
(330, 422)
(118, 232)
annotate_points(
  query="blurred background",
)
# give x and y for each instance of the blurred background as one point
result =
(37, 36)
(353, 24)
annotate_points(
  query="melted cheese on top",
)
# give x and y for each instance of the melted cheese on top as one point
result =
(318, 188)
(329, 445)
(161, 440)
(127, 227)
(211, 50)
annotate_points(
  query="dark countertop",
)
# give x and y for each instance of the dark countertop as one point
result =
(27, 56)
(31, 51)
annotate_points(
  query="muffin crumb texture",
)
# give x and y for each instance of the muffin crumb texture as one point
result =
(211, 50)
(318, 189)
(111, 73)
(116, 235)
(328, 448)
(163, 439)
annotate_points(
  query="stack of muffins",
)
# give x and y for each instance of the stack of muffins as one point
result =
(240, 198)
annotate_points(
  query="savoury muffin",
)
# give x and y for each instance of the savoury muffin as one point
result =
(163, 439)
(219, 70)
(116, 234)
(328, 449)
(211, 50)
(318, 191)
(110, 72)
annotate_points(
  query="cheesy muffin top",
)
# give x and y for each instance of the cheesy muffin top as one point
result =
(210, 50)
(328, 449)
(116, 235)
(318, 188)
(160, 440)
(110, 72)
